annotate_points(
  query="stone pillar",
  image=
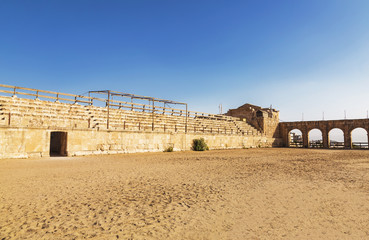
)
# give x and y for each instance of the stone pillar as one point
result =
(305, 139)
(347, 137)
(287, 139)
(325, 136)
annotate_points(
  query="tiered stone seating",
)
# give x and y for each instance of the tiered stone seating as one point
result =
(37, 113)
(4, 112)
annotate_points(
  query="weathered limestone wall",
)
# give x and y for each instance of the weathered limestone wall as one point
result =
(23, 142)
(18, 142)
(271, 124)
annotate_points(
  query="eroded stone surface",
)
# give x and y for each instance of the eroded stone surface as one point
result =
(27, 125)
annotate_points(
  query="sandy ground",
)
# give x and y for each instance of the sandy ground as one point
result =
(230, 194)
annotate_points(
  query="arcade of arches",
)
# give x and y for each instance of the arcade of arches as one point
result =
(298, 134)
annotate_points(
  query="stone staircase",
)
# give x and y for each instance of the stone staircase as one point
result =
(246, 128)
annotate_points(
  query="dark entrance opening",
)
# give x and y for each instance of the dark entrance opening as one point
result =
(58, 144)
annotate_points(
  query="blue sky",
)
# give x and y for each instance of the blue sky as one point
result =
(300, 56)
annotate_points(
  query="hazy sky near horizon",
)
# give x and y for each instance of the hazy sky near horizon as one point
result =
(300, 56)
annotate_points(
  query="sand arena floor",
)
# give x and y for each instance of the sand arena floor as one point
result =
(230, 194)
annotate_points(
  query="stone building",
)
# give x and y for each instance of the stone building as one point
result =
(265, 120)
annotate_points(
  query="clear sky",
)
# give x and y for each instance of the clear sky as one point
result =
(300, 56)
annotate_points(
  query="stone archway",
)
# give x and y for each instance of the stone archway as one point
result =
(359, 138)
(336, 138)
(315, 138)
(295, 138)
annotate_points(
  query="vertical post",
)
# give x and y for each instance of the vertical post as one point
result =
(108, 105)
(89, 97)
(153, 112)
(15, 89)
(186, 118)
(9, 119)
(37, 94)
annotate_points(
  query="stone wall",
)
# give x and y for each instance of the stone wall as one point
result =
(20, 142)
(270, 123)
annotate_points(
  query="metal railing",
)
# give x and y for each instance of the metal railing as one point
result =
(296, 144)
(42, 94)
(337, 145)
(316, 144)
(360, 145)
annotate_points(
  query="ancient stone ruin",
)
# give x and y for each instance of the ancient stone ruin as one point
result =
(37, 123)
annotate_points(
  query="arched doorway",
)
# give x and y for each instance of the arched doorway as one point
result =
(336, 138)
(315, 138)
(295, 138)
(359, 138)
